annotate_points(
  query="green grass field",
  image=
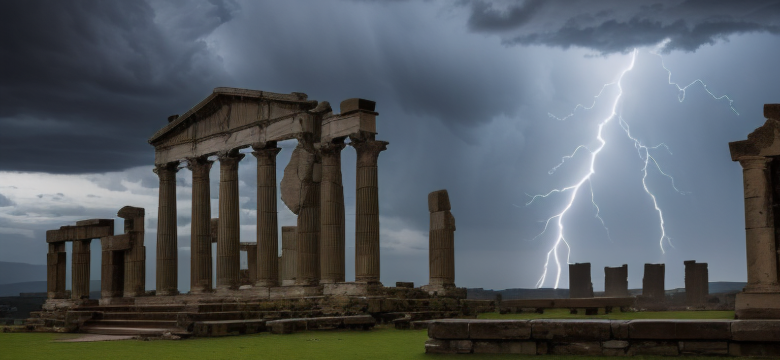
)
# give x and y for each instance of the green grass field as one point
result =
(380, 343)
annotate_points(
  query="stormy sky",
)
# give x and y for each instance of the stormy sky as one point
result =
(470, 96)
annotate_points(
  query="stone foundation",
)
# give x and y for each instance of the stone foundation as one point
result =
(605, 337)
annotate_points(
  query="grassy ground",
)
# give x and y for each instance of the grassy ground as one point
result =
(380, 343)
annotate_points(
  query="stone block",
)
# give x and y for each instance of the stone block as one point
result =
(355, 104)
(438, 201)
(704, 347)
(569, 330)
(615, 344)
(461, 346)
(755, 330)
(449, 329)
(659, 348)
(500, 329)
(754, 349)
(619, 329)
(757, 306)
(772, 111)
(680, 329)
(442, 220)
(505, 347)
(577, 348)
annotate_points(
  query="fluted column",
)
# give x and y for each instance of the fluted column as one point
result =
(267, 225)
(367, 210)
(228, 236)
(441, 240)
(80, 270)
(308, 244)
(759, 225)
(200, 264)
(289, 255)
(167, 256)
(56, 260)
(332, 246)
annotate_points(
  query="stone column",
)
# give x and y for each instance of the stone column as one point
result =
(56, 260)
(135, 257)
(267, 225)
(228, 238)
(616, 281)
(367, 210)
(759, 225)
(441, 240)
(289, 255)
(653, 282)
(167, 256)
(200, 265)
(308, 233)
(332, 238)
(111, 273)
(80, 269)
(580, 285)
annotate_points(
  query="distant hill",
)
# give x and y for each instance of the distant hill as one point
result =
(39, 287)
(11, 272)
(508, 294)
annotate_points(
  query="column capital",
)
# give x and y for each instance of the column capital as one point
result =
(166, 169)
(754, 162)
(267, 155)
(368, 151)
(332, 149)
(230, 158)
(200, 163)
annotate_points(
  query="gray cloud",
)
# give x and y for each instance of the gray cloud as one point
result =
(85, 84)
(5, 201)
(618, 26)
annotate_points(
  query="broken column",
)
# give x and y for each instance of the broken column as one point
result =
(167, 256)
(616, 281)
(332, 232)
(135, 256)
(580, 285)
(696, 282)
(267, 225)
(441, 241)
(308, 244)
(653, 282)
(228, 238)
(289, 255)
(56, 260)
(367, 210)
(80, 270)
(200, 266)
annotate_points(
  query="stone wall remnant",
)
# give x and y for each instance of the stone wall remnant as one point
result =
(696, 282)
(441, 241)
(653, 282)
(616, 281)
(580, 285)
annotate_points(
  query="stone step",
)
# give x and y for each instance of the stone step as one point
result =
(127, 315)
(134, 331)
(155, 324)
(133, 308)
(288, 326)
(228, 327)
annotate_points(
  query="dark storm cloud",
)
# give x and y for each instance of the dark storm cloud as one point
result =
(85, 83)
(618, 26)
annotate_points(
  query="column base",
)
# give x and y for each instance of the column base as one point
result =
(266, 283)
(757, 306)
(166, 292)
(295, 291)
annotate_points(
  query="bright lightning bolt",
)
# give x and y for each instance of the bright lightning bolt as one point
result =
(643, 151)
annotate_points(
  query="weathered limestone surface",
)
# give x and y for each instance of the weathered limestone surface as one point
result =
(167, 249)
(56, 260)
(580, 285)
(200, 266)
(441, 241)
(267, 223)
(616, 281)
(80, 269)
(696, 282)
(135, 255)
(758, 156)
(653, 281)
(289, 255)
(228, 252)
(367, 210)
(308, 231)
(332, 232)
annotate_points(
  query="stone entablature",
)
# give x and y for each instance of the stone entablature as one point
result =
(605, 337)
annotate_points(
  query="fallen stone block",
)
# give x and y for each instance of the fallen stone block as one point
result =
(449, 329)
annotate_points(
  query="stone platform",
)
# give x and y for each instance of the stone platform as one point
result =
(605, 337)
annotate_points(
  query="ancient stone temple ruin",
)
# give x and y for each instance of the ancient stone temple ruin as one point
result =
(311, 268)
(759, 157)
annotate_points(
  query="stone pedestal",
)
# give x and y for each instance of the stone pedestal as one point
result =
(367, 210)
(56, 260)
(580, 285)
(616, 281)
(332, 238)
(267, 225)
(167, 256)
(228, 235)
(289, 255)
(441, 241)
(200, 266)
(80, 270)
